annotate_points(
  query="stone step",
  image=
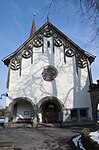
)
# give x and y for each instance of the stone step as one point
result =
(51, 124)
(28, 125)
(6, 145)
(19, 125)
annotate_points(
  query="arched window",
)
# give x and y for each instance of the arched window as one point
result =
(48, 43)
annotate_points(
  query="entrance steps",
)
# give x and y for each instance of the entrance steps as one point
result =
(6, 145)
(19, 125)
(28, 125)
(51, 124)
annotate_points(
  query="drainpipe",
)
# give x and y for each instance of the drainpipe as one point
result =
(35, 120)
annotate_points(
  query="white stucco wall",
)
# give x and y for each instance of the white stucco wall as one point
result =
(71, 89)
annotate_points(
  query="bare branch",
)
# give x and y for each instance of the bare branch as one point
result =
(88, 9)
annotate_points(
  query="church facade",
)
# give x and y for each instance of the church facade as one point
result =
(49, 76)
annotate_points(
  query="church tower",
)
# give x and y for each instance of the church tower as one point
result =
(49, 75)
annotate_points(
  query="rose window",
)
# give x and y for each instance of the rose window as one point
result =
(49, 73)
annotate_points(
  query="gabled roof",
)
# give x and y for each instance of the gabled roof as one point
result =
(7, 59)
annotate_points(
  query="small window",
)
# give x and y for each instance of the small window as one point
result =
(48, 43)
(83, 113)
(74, 115)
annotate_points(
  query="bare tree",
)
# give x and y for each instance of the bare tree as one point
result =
(88, 11)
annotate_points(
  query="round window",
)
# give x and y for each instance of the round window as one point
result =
(49, 73)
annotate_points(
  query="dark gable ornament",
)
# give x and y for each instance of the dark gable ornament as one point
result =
(69, 52)
(81, 60)
(27, 53)
(38, 41)
(15, 63)
(48, 33)
(49, 73)
(57, 42)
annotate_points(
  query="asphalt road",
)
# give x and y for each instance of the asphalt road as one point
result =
(41, 138)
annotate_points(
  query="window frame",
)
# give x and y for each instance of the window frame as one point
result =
(86, 111)
(72, 117)
(48, 44)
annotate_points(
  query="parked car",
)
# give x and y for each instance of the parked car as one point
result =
(2, 118)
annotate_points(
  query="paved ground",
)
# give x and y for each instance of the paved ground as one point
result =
(41, 138)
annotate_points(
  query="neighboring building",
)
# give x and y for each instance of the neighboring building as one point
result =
(2, 112)
(49, 75)
(94, 93)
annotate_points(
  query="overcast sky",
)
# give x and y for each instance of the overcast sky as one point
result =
(15, 24)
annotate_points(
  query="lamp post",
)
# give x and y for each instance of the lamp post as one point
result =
(6, 95)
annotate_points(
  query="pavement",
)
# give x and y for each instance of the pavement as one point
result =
(41, 138)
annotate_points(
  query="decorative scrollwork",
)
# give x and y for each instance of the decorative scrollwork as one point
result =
(81, 60)
(57, 41)
(48, 33)
(15, 63)
(27, 53)
(49, 73)
(38, 42)
(69, 52)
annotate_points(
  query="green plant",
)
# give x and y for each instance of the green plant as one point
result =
(87, 142)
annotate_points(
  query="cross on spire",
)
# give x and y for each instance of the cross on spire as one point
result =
(33, 28)
(47, 18)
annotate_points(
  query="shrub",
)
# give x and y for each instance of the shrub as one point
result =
(87, 142)
(85, 131)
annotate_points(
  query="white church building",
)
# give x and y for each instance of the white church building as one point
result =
(49, 76)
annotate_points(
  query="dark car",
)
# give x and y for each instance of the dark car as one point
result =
(2, 118)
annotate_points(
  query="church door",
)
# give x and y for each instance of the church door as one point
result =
(50, 113)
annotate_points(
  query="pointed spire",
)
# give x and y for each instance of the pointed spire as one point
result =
(33, 28)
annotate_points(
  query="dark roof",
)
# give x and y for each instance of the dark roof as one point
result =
(7, 59)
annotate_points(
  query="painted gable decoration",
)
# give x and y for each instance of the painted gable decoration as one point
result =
(59, 39)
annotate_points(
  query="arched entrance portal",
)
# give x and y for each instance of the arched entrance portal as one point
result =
(21, 110)
(50, 110)
(50, 113)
